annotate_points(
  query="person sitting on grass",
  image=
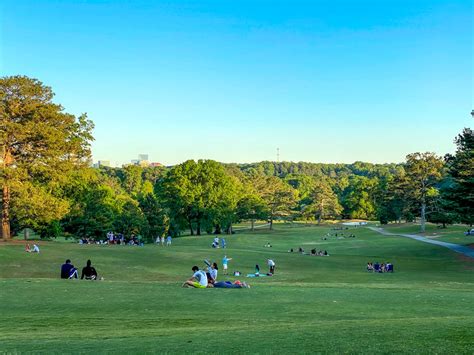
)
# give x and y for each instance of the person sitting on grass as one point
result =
(68, 271)
(198, 280)
(212, 274)
(376, 267)
(89, 272)
(36, 249)
(370, 267)
(28, 248)
(257, 270)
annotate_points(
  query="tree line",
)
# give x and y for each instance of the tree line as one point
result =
(48, 185)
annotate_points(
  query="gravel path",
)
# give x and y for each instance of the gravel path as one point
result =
(455, 247)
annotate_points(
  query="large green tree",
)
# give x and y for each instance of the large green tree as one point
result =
(461, 169)
(39, 145)
(157, 217)
(279, 197)
(424, 171)
(394, 202)
(200, 194)
(251, 207)
(324, 203)
(359, 197)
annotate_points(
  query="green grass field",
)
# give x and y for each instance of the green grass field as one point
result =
(312, 304)
(451, 234)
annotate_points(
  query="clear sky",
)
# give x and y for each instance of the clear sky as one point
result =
(325, 81)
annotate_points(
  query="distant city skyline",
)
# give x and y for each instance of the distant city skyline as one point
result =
(330, 82)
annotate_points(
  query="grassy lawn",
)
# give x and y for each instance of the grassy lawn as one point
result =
(451, 234)
(312, 304)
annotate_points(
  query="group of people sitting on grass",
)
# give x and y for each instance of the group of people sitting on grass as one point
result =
(342, 235)
(216, 243)
(313, 252)
(68, 271)
(469, 232)
(376, 267)
(35, 248)
(203, 279)
(112, 238)
(271, 268)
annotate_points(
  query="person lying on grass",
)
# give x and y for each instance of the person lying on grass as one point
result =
(198, 280)
(229, 284)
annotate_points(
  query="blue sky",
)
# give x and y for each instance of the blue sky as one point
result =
(325, 81)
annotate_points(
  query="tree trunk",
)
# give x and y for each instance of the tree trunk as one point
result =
(321, 206)
(252, 223)
(191, 228)
(423, 216)
(26, 233)
(218, 229)
(229, 230)
(271, 222)
(198, 228)
(6, 212)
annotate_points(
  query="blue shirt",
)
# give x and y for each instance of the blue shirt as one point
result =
(66, 270)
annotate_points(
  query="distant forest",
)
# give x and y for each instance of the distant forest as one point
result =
(49, 186)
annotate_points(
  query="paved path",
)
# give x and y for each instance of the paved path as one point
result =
(455, 247)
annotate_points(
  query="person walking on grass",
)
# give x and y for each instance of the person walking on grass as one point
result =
(198, 280)
(168, 240)
(225, 262)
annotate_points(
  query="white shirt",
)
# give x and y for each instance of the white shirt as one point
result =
(271, 262)
(213, 273)
(201, 277)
